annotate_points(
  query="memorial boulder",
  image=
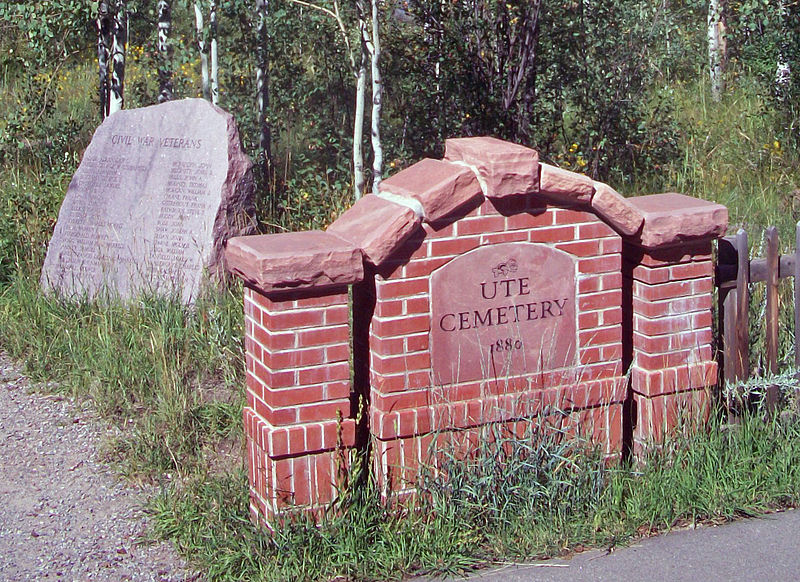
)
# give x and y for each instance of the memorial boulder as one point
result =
(157, 194)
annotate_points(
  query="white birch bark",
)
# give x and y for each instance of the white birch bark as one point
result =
(262, 85)
(358, 129)
(201, 48)
(118, 50)
(361, 90)
(377, 102)
(783, 70)
(716, 44)
(164, 51)
(214, 54)
(104, 26)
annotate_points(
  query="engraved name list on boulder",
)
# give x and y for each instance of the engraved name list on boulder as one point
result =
(502, 310)
(159, 191)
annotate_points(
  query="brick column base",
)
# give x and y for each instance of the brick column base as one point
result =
(672, 360)
(297, 420)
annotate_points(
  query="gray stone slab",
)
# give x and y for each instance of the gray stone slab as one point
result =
(158, 192)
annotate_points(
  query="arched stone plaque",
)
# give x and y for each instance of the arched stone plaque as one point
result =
(503, 310)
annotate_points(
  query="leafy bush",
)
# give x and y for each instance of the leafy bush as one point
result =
(44, 33)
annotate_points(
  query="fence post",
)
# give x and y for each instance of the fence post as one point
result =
(726, 304)
(742, 357)
(773, 258)
(796, 294)
(729, 306)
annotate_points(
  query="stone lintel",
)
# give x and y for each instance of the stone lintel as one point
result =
(506, 168)
(377, 226)
(671, 219)
(616, 210)
(441, 187)
(565, 186)
(294, 260)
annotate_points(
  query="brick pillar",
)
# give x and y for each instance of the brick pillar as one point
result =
(297, 352)
(668, 286)
(673, 362)
(298, 419)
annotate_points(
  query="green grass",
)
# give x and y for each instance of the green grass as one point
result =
(736, 159)
(368, 541)
(541, 497)
(731, 154)
(169, 375)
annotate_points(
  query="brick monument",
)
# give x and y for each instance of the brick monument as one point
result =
(480, 289)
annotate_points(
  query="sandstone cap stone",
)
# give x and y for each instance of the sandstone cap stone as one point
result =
(673, 218)
(293, 260)
(565, 186)
(616, 209)
(441, 187)
(506, 168)
(377, 226)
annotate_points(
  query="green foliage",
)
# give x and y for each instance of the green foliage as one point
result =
(27, 214)
(48, 122)
(42, 32)
(48, 118)
(592, 81)
(600, 88)
(788, 97)
(596, 96)
(754, 26)
(734, 154)
(618, 91)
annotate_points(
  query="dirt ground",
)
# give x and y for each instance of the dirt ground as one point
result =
(64, 514)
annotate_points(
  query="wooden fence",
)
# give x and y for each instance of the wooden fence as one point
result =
(735, 270)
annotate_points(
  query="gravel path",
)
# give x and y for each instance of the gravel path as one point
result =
(64, 515)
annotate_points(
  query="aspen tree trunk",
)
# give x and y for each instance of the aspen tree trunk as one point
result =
(783, 70)
(262, 87)
(104, 26)
(716, 47)
(358, 129)
(214, 56)
(361, 90)
(164, 51)
(528, 117)
(377, 102)
(441, 123)
(118, 49)
(201, 47)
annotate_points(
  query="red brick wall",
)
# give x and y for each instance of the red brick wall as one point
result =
(647, 309)
(406, 407)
